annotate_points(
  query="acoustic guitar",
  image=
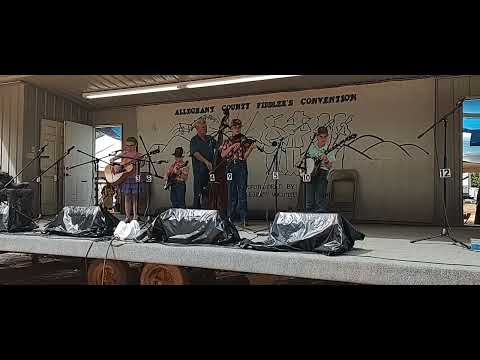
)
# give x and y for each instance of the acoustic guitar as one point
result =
(116, 174)
(171, 178)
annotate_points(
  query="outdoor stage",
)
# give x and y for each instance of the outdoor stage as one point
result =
(385, 257)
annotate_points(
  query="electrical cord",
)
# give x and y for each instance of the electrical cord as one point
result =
(86, 259)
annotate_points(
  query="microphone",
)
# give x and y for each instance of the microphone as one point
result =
(459, 102)
(114, 153)
(70, 148)
(42, 148)
(161, 162)
(154, 152)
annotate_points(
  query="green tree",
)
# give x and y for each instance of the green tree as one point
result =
(476, 180)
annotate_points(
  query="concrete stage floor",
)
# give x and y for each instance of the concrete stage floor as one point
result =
(387, 249)
(385, 257)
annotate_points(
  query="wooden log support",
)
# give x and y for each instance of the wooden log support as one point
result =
(158, 274)
(115, 273)
(200, 276)
(35, 258)
(232, 278)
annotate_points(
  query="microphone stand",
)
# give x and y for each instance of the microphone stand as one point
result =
(95, 161)
(304, 168)
(274, 162)
(38, 178)
(445, 232)
(150, 165)
(39, 153)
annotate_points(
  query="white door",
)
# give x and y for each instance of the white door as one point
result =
(78, 188)
(51, 135)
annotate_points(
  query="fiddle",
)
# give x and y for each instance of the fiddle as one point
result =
(246, 142)
(243, 140)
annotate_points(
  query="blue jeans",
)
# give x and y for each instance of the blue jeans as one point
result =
(200, 186)
(237, 190)
(177, 195)
(317, 201)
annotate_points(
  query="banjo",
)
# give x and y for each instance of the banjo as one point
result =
(312, 166)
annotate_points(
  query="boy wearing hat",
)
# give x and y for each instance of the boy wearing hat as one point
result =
(129, 188)
(237, 155)
(317, 188)
(179, 170)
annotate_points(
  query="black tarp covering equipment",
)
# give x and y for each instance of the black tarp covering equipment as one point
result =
(83, 221)
(17, 213)
(4, 214)
(328, 234)
(191, 226)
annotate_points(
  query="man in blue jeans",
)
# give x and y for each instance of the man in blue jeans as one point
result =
(317, 201)
(202, 151)
(237, 153)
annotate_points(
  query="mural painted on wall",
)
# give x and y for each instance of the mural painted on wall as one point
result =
(385, 117)
(293, 132)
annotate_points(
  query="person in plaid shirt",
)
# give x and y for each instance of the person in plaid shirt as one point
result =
(178, 188)
(237, 154)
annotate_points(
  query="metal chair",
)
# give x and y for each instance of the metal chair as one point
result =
(342, 192)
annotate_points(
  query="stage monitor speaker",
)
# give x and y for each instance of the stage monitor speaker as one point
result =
(190, 226)
(16, 215)
(83, 221)
(329, 234)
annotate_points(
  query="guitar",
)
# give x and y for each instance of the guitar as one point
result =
(171, 178)
(312, 166)
(116, 174)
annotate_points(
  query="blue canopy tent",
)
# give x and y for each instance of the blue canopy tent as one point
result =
(113, 132)
(471, 136)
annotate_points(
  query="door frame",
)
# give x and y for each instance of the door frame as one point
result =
(92, 151)
(60, 124)
(96, 126)
(462, 112)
